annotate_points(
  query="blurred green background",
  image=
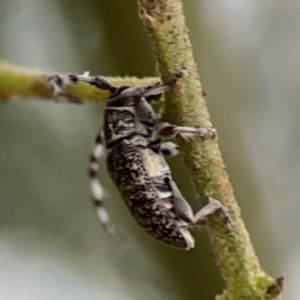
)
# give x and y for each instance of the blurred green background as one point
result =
(51, 243)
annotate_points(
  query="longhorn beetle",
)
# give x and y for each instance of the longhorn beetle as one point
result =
(133, 135)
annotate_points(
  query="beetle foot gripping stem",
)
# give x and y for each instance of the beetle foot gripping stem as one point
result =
(212, 207)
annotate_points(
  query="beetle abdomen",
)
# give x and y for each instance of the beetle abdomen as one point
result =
(133, 176)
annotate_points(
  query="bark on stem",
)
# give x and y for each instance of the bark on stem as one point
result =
(185, 105)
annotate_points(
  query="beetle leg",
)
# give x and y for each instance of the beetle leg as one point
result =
(168, 131)
(212, 207)
(169, 149)
(184, 211)
(181, 206)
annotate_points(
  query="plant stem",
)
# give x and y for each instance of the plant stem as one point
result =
(17, 81)
(185, 105)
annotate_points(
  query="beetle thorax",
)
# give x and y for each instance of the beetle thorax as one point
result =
(121, 123)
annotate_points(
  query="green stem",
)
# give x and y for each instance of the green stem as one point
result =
(17, 81)
(185, 105)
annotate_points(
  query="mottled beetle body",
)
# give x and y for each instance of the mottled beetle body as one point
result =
(139, 170)
(142, 177)
(133, 135)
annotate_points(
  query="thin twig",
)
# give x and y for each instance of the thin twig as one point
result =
(234, 252)
(27, 83)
